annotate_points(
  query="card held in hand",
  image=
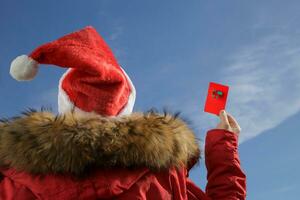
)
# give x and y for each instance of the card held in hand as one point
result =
(216, 98)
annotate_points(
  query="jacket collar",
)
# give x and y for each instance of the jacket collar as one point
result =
(42, 142)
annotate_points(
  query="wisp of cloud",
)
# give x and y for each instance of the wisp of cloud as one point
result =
(265, 83)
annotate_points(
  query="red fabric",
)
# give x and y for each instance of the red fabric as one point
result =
(96, 81)
(226, 181)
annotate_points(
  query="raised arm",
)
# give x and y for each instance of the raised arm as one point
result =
(226, 180)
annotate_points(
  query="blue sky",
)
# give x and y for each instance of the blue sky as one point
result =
(171, 50)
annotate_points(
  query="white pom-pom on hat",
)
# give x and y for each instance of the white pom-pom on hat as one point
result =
(23, 68)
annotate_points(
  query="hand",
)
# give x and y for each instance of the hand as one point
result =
(228, 123)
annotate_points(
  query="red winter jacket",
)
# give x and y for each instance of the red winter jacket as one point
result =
(142, 156)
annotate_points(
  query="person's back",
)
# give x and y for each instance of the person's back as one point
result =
(96, 148)
(141, 156)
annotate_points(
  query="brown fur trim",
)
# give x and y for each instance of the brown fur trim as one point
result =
(41, 142)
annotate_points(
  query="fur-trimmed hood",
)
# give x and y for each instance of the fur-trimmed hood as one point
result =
(41, 142)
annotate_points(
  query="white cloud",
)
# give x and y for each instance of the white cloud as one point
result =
(264, 80)
(265, 83)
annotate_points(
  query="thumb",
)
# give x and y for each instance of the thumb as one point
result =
(223, 117)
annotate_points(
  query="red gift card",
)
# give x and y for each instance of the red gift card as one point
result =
(216, 98)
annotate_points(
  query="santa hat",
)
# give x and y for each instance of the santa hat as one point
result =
(94, 82)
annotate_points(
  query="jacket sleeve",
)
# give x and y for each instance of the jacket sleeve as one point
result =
(10, 190)
(226, 180)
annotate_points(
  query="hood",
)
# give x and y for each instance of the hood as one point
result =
(42, 142)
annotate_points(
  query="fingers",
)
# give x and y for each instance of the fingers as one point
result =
(223, 117)
(233, 122)
(228, 122)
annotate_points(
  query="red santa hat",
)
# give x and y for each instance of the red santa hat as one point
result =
(94, 82)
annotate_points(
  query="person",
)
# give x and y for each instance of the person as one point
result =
(96, 148)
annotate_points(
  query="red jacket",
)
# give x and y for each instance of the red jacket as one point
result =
(143, 156)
